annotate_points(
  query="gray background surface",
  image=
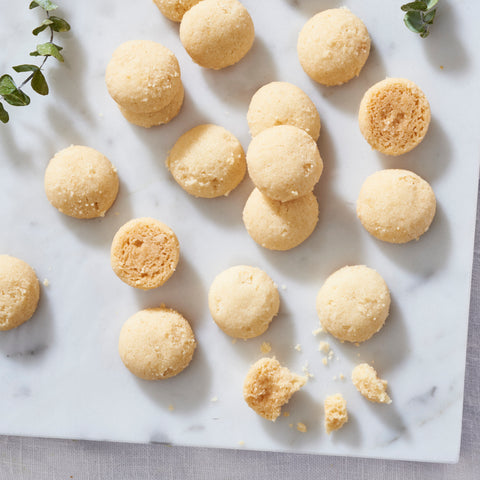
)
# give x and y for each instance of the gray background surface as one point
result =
(38, 459)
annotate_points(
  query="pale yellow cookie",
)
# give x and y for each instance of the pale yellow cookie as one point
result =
(268, 386)
(280, 225)
(333, 46)
(281, 103)
(353, 303)
(207, 161)
(396, 206)
(175, 9)
(143, 76)
(19, 292)
(217, 33)
(81, 182)
(366, 381)
(336, 415)
(156, 343)
(243, 301)
(152, 119)
(284, 162)
(144, 253)
(394, 116)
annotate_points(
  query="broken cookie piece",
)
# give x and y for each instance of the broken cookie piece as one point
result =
(336, 415)
(366, 381)
(268, 386)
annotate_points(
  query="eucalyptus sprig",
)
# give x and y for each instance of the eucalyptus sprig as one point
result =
(420, 15)
(9, 91)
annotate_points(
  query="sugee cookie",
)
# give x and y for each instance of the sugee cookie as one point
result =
(333, 46)
(81, 182)
(156, 343)
(217, 33)
(243, 301)
(353, 303)
(281, 103)
(396, 206)
(268, 386)
(280, 225)
(19, 292)
(394, 116)
(143, 76)
(175, 9)
(366, 381)
(144, 253)
(284, 162)
(207, 161)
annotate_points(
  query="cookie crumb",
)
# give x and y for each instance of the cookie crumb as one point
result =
(334, 377)
(441, 67)
(290, 425)
(241, 443)
(298, 347)
(266, 347)
(286, 414)
(306, 371)
(301, 427)
(317, 331)
(214, 399)
(171, 407)
(325, 360)
(324, 347)
(341, 376)
(283, 287)
(336, 415)
(46, 282)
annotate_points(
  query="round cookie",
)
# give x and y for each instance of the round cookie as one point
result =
(243, 301)
(207, 161)
(281, 103)
(396, 206)
(333, 46)
(144, 253)
(156, 343)
(175, 9)
(284, 162)
(217, 33)
(19, 292)
(161, 117)
(81, 182)
(143, 76)
(280, 225)
(394, 116)
(353, 303)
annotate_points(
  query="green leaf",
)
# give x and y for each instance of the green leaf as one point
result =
(7, 85)
(425, 34)
(39, 84)
(34, 54)
(431, 4)
(45, 24)
(17, 98)
(419, 6)
(59, 24)
(3, 114)
(429, 17)
(48, 49)
(414, 22)
(47, 5)
(26, 68)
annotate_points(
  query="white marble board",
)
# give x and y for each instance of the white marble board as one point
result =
(60, 373)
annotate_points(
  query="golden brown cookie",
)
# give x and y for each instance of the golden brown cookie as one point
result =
(281, 103)
(175, 9)
(396, 206)
(81, 182)
(156, 343)
(19, 292)
(353, 303)
(143, 76)
(280, 225)
(243, 301)
(333, 46)
(144, 253)
(217, 33)
(268, 386)
(284, 162)
(207, 161)
(394, 116)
